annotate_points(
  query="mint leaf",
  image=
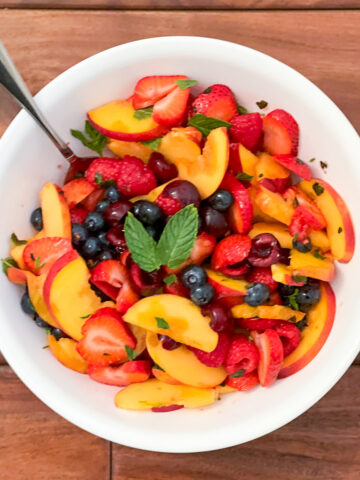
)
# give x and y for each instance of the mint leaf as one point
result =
(299, 278)
(295, 237)
(162, 323)
(170, 279)
(312, 160)
(141, 245)
(241, 110)
(323, 165)
(153, 144)
(8, 263)
(244, 176)
(262, 104)
(318, 255)
(93, 139)
(84, 317)
(182, 84)
(16, 241)
(103, 183)
(292, 319)
(205, 124)
(130, 352)
(318, 189)
(143, 113)
(293, 300)
(157, 367)
(239, 373)
(178, 237)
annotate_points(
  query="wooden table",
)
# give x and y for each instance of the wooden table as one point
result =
(320, 38)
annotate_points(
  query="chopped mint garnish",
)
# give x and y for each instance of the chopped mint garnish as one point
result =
(162, 323)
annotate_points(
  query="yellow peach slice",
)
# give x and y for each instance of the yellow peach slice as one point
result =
(153, 394)
(276, 312)
(310, 265)
(140, 336)
(248, 162)
(226, 285)
(17, 252)
(35, 285)
(134, 149)
(153, 195)
(164, 377)
(183, 365)
(65, 351)
(223, 389)
(183, 318)
(258, 214)
(55, 212)
(274, 205)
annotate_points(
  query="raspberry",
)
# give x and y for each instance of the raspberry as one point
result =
(230, 251)
(102, 169)
(247, 381)
(217, 357)
(168, 205)
(262, 275)
(134, 177)
(242, 354)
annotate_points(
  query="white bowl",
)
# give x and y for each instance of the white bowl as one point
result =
(28, 159)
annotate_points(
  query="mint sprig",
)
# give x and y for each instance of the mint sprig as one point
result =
(153, 144)
(16, 241)
(162, 323)
(183, 84)
(8, 263)
(91, 138)
(143, 113)
(170, 279)
(205, 124)
(130, 352)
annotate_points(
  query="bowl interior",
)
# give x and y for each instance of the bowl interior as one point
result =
(28, 159)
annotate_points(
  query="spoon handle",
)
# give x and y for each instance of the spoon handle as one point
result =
(12, 81)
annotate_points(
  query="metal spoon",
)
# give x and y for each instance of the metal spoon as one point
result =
(12, 81)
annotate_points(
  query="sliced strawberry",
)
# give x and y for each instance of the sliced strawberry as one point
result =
(105, 336)
(177, 288)
(77, 190)
(247, 129)
(217, 101)
(262, 275)
(301, 222)
(78, 214)
(126, 298)
(234, 158)
(146, 282)
(90, 202)
(244, 383)
(171, 109)
(149, 90)
(217, 357)
(242, 355)
(257, 323)
(297, 197)
(281, 133)
(39, 255)
(230, 251)
(120, 375)
(109, 276)
(241, 211)
(271, 356)
(295, 165)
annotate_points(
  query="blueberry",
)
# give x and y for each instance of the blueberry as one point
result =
(193, 276)
(286, 290)
(40, 322)
(36, 219)
(147, 212)
(102, 206)
(27, 305)
(221, 200)
(152, 231)
(308, 295)
(302, 247)
(79, 234)
(112, 194)
(57, 333)
(102, 237)
(202, 295)
(94, 222)
(105, 255)
(257, 293)
(91, 247)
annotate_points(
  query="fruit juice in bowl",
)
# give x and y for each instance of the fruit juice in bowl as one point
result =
(192, 259)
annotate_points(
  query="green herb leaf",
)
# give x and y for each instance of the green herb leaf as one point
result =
(312, 160)
(318, 189)
(292, 319)
(295, 237)
(162, 323)
(38, 265)
(295, 202)
(86, 316)
(153, 144)
(170, 279)
(16, 241)
(106, 354)
(45, 346)
(8, 263)
(241, 110)
(340, 229)
(292, 299)
(299, 278)
(130, 352)
(178, 237)
(205, 124)
(141, 245)
(323, 165)
(239, 373)
(207, 90)
(299, 161)
(262, 104)
(182, 84)
(222, 384)
(318, 255)
(103, 183)
(244, 176)
(143, 113)
(261, 175)
(93, 139)
(302, 324)
(157, 367)
(79, 175)
(48, 331)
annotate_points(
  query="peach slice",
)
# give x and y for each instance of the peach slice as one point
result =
(320, 320)
(283, 274)
(248, 162)
(116, 120)
(309, 265)
(68, 295)
(16, 275)
(55, 212)
(154, 394)
(77, 190)
(226, 286)
(271, 174)
(258, 214)
(205, 170)
(340, 228)
(35, 285)
(65, 351)
(140, 336)
(183, 318)
(153, 194)
(134, 149)
(183, 365)
(164, 377)
(17, 252)
(276, 312)
(274, 205)
(223, 389)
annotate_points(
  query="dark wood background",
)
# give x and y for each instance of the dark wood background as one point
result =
(321, 39)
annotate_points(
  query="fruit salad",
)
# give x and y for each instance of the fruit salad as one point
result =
(192, 256)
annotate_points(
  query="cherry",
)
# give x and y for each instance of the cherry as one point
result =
(162, 169)
(145, 281)
(218, 315)
(117, 211)
(213, 221)
(116, 237)
(265, 250)
(168, 343)
(183, 191)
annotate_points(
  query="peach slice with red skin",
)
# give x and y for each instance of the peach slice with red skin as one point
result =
(77, 190)
(283, 274)
(164, 377)
(225, 285)
(39, 255)
(121, 148)
(276, 312)
(243, 160)
(55, 212)
(312, 265)
(271, 174)
(320, 320)
(274, 205)
(16, 275)
(65, 351)
(35, 284)
(340, 229)
(17, 252)
(116, 120)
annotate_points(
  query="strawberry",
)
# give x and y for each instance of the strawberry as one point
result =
(93, 199)
(244, 383)
(216, 101)
(290, 336)
(301, 221)
(258, 324)
(230, 251)
(271, 356)
(145, 282)
(297, 198)
(242, 355)
(120, 375)
(109, 276)
(281, 133)
(177, 288)
(102, 170)
(262, 275)
(77, 190)
(216, 358)
(126, 298)
(134, 177)
(168, 205)
(234, 159)
(39, 255)
(246, 129)
(149, 90)
(78, 214)
(170, 110)
(241, 268)
(295, 165)
(240, 213)
(105, 336)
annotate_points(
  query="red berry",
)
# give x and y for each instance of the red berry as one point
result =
(78, 214)
(290, 336)
(170, 110)
(218, 315)
(247, 129)
(151, 89)
(120, 375)
(217, 357)
(163, 170)
(116, 212)
(168, 205)
(295, 165)
(281, 133)
(258, 324)
(177, 288)
(146, 282)
(242, 355)
(265, 250)
(216, 101)
(134, 177)
(262, 275)
(244, 383)
(103, 169)
(230, 251)
(271, 356)
(240, 214)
